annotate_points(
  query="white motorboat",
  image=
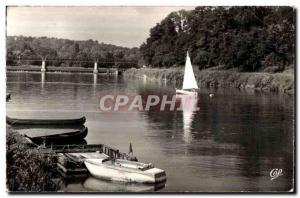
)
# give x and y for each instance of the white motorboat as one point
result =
(189, 86)
(124, 171)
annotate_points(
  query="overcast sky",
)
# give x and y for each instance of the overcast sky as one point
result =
(124, 26)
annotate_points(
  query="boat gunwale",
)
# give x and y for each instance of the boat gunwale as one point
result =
(120, 168)
(65, 134)
(16, 121)
(73, 136)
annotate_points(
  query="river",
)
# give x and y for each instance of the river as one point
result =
(230, 144)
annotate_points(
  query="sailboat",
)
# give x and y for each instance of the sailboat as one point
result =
(189, 86)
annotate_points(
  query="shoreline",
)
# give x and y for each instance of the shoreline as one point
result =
(28, 170)
(273, 82)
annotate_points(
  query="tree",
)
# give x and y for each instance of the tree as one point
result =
(19, 47)
(42, 50)
(247, 38)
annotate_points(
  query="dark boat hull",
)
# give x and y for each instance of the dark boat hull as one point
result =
(8, 97)
(61, 138)
(73, 122)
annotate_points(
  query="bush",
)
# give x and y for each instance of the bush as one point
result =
(28, 170)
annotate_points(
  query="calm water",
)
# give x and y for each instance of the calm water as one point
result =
(231, 144)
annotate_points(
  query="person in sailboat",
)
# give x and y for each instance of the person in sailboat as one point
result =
(189, 86)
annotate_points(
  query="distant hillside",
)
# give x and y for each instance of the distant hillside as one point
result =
(54, 48)
(242, 38)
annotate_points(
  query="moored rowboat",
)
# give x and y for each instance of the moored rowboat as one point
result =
(15, 121)
(61, 137)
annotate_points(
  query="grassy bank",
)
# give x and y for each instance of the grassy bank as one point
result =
(279, 82)
(27, 169)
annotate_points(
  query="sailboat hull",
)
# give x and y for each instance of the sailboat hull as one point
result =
(186, 92)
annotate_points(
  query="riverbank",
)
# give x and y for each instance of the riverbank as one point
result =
(277, 82)
(28, 170)
(35, 168)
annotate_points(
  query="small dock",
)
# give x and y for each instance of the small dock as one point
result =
(70, 164)
(70, 158)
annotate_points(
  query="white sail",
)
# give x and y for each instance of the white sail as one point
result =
(189, 81)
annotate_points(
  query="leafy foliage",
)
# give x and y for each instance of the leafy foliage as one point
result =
(20, 47)
(28, 170)
(246, 38)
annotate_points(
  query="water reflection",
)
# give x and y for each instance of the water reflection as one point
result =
(248, 133)
(43, 77)
(236, 136)
(95, 184)
(189, 108)
(84, 182)
(95, 79)
(144, 79)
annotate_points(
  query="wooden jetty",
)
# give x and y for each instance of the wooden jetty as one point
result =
(71, 157)
(89, 148)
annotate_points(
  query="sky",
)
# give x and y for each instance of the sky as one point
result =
(123, 26)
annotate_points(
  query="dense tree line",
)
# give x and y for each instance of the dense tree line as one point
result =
(247, 38)
(20, 47)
